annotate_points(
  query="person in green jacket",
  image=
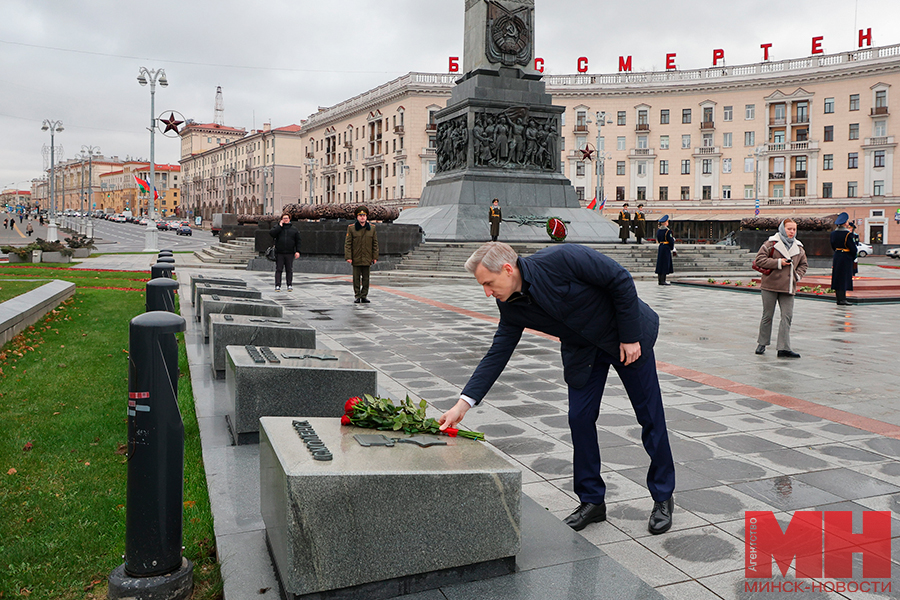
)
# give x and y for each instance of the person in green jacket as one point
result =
(361, 251)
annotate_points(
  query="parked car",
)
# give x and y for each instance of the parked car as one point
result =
(863, 250)
(162, 225)
(184, 230)
(893, 253)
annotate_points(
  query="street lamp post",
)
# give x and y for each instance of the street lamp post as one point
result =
(53, 127)
(601, 157)
(152, 75)
(88, 224)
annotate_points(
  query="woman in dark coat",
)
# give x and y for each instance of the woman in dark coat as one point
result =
(844, 247)
(666, 250)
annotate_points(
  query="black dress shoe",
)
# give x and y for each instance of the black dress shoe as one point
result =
(585, 514)
(357, 301)
(661, 517)
(365, 300)
(760, 349)
(787, 354)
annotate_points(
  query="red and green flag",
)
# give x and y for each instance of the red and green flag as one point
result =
(143, 184)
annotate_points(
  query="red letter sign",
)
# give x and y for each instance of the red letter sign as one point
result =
(582, 65)
(765, 48)
(717, 56)
(624, 64)
(764, 541)
(539, 65)
(670, 61)
(817, 45)
(874, 543)
(454, 64)
(867, 37)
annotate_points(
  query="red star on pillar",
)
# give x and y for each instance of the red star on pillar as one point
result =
(587, 153)
(171, 123)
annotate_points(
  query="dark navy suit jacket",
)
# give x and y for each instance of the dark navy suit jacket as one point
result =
(579, 295)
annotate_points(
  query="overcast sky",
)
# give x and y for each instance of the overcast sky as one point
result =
(278, 60)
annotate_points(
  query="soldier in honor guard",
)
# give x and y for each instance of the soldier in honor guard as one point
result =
(361, 251)
(624, 221)
(844, 247)
(495, 216)
(640, 224)
(855, 237)
(665, 251)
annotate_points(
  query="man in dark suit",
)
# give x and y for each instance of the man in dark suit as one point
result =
(589, 302)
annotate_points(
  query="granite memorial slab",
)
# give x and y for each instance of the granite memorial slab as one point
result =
(290, 382)
(195, 279)
(214, 304)
(241, 330)
(207, 289)
(367, 515)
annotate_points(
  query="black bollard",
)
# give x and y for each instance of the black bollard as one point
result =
(166, 259)
(165, 253)
(161, 270)
(154, 566)
(169, 250)
(161, 294)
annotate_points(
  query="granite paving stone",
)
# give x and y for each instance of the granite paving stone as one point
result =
(847, 483)
(786, 493)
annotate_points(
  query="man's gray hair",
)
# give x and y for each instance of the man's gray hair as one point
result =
(493, 256)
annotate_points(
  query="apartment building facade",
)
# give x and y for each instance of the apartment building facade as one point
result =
(77, 182)
(225, 169)
(119, 191)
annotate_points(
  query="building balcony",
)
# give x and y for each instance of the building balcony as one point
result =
(707, 125)
(879, 111)
(776, 176)
(642, 127)
(775, 201)
(777, 122)
(398, 129)
(800, 120)
(641, 152)
(883, 140)
(798, 175)
(780, 147)
(431, 127)
(348, 144)
(798, 200)
(706, 150)
(373, 160)
(580, 129)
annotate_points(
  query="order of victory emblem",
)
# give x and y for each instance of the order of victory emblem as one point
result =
(509, 35)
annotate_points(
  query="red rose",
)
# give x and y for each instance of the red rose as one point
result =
(348, 406)
(345, 420)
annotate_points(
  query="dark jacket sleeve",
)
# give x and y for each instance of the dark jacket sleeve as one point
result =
(488, 370)
(297, 241)
(275, 230)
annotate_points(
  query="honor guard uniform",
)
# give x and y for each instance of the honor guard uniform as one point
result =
(666, 249)
(624, 221)
(844, 247)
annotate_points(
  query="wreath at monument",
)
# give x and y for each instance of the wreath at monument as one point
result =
(373, 412)
(556, 227)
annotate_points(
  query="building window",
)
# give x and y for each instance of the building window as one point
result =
(879, 158)
(829, 133)
(620, 142)
(727, 113)
(854, 131)
(827, 162)
(726, 192)
(663, 167)
(826, 190)
(707, 192)
(663, 142)
(708, 140)
(750, 112)
(853, 160)
(854, 101)
(643, 117)
(620, 117)
(641, 168)
(749, 138)
(620, 167)
(778, 190)
(881, 99)
(641, 193)
(620, 193)
(580, 142)
(642, 142)
(580, 121)
(748, 164)
(726, 140)
(878, 187)
(707, 166)
(748, 192)
(851, 189)
(686, 166)
(685, 141)
(663, 192)
(726, 165)
(579, 193)
(685, 115)
(664, 116)
(880, 128)
(579, 169)
(829, 107)
(685, 192)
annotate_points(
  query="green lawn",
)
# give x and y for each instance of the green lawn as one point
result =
(84, 279)
(63, 397)
(11, 289)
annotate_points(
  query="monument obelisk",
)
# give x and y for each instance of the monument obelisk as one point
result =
(499, 137)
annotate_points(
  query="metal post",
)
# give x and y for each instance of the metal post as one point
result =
(151, 236)
(53, 126)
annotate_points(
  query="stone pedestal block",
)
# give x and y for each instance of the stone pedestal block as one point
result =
(235, 306)
(242, 330)
(293, 387)
(379, 514)
(195, 279)
(209, 289)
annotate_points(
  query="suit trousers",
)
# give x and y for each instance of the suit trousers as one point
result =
(361, 281)
(642, 385)
(284, 262)
(786, 305)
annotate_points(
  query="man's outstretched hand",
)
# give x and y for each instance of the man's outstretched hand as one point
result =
(452, 417)
(628, 353)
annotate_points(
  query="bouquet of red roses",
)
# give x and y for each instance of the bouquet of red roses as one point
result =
(373, 412)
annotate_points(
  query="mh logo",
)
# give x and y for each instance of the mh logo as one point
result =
(822, 543)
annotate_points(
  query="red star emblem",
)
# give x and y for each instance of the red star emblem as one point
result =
(587, 153)
(171, 123)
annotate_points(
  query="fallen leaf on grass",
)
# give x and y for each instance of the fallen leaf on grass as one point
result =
(12, 471)
(28, 446)
(189, 503)
(122, 449)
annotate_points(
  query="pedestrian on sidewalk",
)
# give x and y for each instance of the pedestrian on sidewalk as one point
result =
(842, 262)
(783, 254)
(21, 216)
(41, 220)
(361, 251)
(590, 303)
(5, 223)
(666, 250)
(30, 229)
(287, 248)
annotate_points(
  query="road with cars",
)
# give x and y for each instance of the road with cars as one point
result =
(129, 237)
